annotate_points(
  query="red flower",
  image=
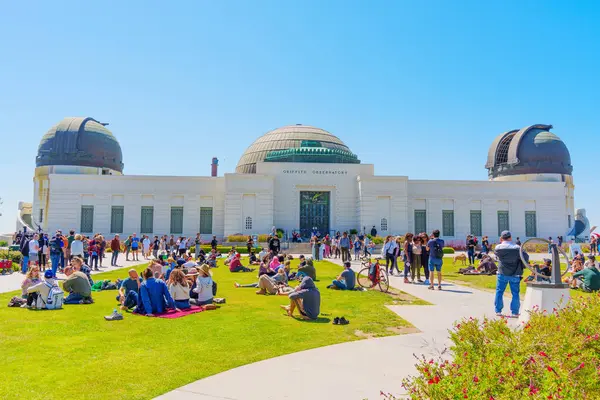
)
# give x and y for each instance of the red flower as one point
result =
(550, 368)
(533, 390)
(430, 382)
(475, 379)
(436, 379)
(541, 353)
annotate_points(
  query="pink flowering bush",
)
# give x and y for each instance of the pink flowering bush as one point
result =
(554, 356)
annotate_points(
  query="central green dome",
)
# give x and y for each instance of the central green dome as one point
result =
(296, 143)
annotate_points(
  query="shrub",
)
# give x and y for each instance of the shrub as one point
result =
(552, 357)
(3, 243)
(353, 232)
(279, 233)
(448, 250)
(263, 238)
(14, 256)
(377, 240)
(237, 238)
(220, 249)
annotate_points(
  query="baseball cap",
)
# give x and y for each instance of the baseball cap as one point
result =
(48, 274)
(505, 235)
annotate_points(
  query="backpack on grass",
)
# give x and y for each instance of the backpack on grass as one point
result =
(54, 301)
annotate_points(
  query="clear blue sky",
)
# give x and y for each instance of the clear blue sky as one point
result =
(418, 88)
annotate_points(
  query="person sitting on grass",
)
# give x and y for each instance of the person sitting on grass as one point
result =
(265, 269)
(78, 286)
(130, 290)
(591, 262)
(230, 255)
(41, 289)
(308, 269)
(276, 262)
(587, 279)
(306, 298)
(211, 260)
(346, 280)
(179, 288)
(78, 265)
(267, 284)
(154, 295)
(204, 287)
(32, 278)
(253, 260)
(236, 265)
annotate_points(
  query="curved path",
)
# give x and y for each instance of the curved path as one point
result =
(352, 370)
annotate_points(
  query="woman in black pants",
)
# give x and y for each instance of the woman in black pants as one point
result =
(389, 249)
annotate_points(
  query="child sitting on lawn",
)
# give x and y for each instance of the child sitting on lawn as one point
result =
(31, 279)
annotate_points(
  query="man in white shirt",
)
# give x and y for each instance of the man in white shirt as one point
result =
(34, 249)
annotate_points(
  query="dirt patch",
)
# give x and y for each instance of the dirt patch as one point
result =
(403, 330)
(365, 335)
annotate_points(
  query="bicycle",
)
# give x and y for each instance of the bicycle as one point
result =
(372, 275)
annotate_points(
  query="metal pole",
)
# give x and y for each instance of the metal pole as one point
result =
(556, 275)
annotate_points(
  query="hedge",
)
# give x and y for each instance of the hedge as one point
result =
(3, 243)
(14, 256)
(223, 249)
(448, 250)
(244, 238)
(553, 356)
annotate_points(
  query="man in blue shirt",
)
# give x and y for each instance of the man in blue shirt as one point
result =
(510, 271)
(135, 245)
(435, 247)
(129, 290)
(346, 280)
(154, 296)
(345, 246)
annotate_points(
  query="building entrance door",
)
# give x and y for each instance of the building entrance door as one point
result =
(314, 212)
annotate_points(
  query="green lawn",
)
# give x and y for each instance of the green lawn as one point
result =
(75, 353)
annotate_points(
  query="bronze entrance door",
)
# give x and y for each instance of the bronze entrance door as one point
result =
(314, 212)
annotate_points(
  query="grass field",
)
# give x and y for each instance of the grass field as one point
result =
(75, 353)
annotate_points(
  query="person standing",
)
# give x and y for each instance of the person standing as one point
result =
(34, 249)
(345, 247)
(70, 240)
(485, 245)
(77, 247)
(471, 249)
(25, 254)
(373, 231)
(115, 246)
(135, 246)
(197, 246)
(425, 256)
(44, 251)
(593, 245)
(510, 271)
(389, 252)
(408, 255)
(155, 246)
(146, 246)
(435, 247)
(214, 243)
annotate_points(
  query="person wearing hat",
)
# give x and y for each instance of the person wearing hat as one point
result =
(510, 272)
(40, 289)
(346, 280)
(179, 288)
(203, 290)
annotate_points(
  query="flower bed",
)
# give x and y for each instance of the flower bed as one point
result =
(554, 356)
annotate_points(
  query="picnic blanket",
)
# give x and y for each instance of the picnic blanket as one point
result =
(171, 314)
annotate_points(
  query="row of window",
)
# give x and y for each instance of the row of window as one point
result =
(117, 215)
(476, 224)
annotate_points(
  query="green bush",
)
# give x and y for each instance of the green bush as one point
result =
(237, 238)
(3, 243)
(377, 240)
(263, 238)
(554, 356)
(14, 256)
(279, 233)
(448, 250)
(353, 232)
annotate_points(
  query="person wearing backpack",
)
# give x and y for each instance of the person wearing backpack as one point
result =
(435, 247)
(55, 252)
(45, 294)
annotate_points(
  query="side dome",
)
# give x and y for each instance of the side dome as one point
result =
(531, 150)
(295, 143)
(82, 142)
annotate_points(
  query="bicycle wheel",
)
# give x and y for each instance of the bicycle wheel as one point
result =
(363, 279)
(384, 281)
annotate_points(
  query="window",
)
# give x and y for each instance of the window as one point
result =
(448, 223)
(177, 220)
(476, 222)
(502, 222)
(384, 224)
(41, 219)
(116, 219)
(147, 220)
(530, 224)
(248, 223)
(420, 221)
(87, 219)
(206, 216)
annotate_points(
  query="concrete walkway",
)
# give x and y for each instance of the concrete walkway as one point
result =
(352, 370)
(12, 282)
